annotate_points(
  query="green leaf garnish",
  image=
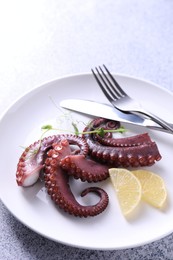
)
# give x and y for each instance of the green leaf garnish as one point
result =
(76, 130)
(46, 127)
(101, 132)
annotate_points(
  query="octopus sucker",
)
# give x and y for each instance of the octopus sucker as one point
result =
(57, 184)
(85, 169)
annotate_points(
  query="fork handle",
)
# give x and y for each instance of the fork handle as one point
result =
(156, 119)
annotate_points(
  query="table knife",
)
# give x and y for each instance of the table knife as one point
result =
(97, 109)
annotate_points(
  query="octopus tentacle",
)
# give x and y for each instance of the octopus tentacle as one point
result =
(57, 184)
(83, 168)
(143, 154)
(32, 159)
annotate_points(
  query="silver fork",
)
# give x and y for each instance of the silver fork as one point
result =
(121, 101)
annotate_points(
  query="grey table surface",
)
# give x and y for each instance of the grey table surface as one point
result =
(43, 40)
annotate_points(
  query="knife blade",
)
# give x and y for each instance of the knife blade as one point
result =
(96, 109)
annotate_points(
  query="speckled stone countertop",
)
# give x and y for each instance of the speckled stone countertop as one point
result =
(44, 40)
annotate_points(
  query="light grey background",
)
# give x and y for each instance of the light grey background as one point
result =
(41, 40)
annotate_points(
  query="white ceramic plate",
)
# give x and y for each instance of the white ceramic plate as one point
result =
(20, 126)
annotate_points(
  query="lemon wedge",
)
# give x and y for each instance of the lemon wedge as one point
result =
(153, 187)
(127, 187)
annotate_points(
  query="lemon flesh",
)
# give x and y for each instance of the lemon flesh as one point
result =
(153, 187)
(127, 187)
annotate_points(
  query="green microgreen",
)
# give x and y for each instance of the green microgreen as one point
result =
(101, 131)
(76, 130)
(46, 127)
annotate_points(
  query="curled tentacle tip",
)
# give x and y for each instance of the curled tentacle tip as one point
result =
(96, 190)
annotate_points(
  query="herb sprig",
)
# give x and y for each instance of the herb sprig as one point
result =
(100, 131)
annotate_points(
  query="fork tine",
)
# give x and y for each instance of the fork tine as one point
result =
(101, 85)
(122, 92)
(107, 87)
(114, 92)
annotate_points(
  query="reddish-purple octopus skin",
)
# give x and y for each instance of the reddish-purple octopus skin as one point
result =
(124, 153)
(57, 184)
(83, 168)
(31, 162)
(130, 141)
